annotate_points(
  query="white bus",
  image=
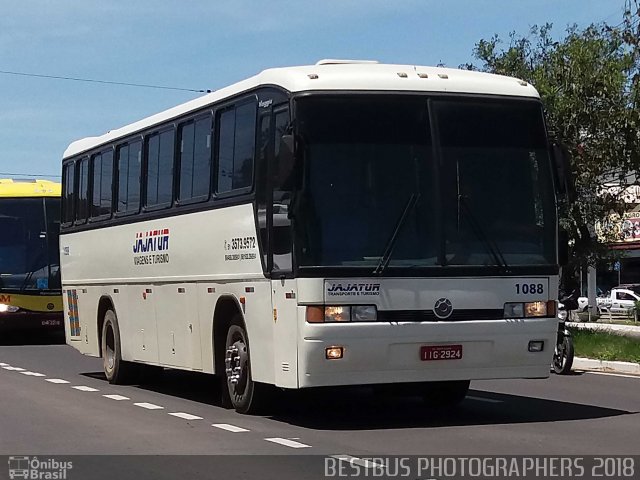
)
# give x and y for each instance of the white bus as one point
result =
(344, 223)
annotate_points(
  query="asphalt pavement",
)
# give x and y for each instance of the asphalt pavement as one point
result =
(54, 401)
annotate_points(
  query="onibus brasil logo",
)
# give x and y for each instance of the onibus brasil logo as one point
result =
(38, 469)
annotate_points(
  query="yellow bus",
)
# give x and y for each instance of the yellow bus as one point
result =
(30, 292)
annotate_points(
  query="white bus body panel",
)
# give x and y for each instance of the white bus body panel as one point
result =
(165, 297)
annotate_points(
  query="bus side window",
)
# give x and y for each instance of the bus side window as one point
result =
(195, 159)
(68, 196)
(82, 199)
(102, 173)
(129, 162)
(159, 174)
(236, 148)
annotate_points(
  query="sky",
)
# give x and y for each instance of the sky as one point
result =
(208, 44)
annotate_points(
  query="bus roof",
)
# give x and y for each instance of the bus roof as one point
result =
(28, 188)
(334, 75)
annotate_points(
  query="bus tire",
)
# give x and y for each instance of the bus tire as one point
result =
(445, 394)
(116, 370)
(239, 389)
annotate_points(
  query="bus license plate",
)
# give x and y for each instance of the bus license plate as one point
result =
(50, 323)
(441, 352)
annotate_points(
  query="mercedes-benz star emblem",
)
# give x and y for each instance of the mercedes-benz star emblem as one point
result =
(443, 308)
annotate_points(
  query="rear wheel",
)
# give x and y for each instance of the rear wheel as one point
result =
(239, 389)
(116, 370)
(445, 394)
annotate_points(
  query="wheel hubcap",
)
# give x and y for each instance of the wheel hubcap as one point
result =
(235, 366)
(110, 353)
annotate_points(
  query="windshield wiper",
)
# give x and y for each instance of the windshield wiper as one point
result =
(480, 232)
(32, 270)
(388, 250)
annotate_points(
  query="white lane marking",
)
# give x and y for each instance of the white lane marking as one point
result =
(358, 461)
(56, 380)
(482, 399)
(116, 397)
(186, 416)
(614, 374)
(148, 406)
(229, 428)
(14, 369)
(4, 365)
(33, 374)
(287, 443)
(83, 388)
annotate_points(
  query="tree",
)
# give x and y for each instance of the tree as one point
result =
(589, 83)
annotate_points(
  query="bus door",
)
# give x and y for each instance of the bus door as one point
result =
(278, 246)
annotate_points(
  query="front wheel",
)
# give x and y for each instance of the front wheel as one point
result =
(241, 392)
(445, 394)
(563, 356)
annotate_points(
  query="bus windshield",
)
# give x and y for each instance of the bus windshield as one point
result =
(29, 231)
(376, 183)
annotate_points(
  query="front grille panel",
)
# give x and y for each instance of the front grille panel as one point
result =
(430, 316)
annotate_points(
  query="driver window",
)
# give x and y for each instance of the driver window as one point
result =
(282, 181)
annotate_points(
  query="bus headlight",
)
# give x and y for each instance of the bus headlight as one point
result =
(364, 313)
(341, 313)
(529, 309)
(337, 313)
(535, 309)
(513, 310)
(8, 308)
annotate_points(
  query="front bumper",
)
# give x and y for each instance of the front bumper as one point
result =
(26, 320)
(378, 353)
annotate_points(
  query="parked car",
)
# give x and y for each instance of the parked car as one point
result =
(618, 300)
(583, 302)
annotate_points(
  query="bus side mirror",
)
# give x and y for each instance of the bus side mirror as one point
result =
(563, 247)
(286, 149)
(564, 178)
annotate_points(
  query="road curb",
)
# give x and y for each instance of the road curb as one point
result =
(632, 331)
(591, 364)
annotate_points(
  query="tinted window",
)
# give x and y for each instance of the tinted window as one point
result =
(497, 194)
(68, 197)
(195, 159)
(129, 160)
(102, 173)
(29, 243)
(624, 296)
(82, 205)
(160, 168)
(367, 161)
(236, 134)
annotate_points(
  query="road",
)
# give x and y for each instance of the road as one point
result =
(56, 402)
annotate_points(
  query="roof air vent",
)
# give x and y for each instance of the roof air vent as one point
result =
(333, 61)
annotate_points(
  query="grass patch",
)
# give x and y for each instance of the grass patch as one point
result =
(605, 346)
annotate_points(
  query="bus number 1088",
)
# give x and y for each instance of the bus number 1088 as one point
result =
(527, 288)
